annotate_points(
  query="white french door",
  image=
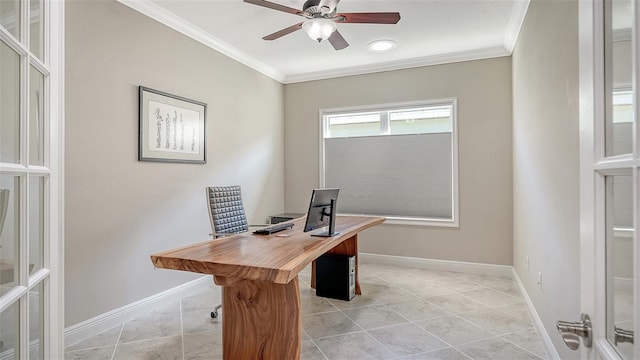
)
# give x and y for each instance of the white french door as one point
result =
(31, 51)
(610, 175)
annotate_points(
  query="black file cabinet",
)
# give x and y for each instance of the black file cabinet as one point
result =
(274, 219)
(336, 276)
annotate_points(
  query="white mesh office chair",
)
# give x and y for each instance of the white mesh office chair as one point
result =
(226, 210)
(227, 215)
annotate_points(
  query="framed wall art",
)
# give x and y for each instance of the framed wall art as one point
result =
(171, 128)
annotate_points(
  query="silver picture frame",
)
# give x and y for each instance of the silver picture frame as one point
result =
(171, 128)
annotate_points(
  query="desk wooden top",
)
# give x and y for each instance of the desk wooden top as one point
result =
(261, 257)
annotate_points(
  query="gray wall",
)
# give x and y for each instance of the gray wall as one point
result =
(546, 162)
(118, 210)
(483, 89)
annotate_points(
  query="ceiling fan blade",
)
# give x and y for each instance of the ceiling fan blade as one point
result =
(338, 41)
(369, 18)
(274, 6)
(283, 32)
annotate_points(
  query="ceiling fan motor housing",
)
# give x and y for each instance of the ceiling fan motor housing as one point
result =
(313, 9)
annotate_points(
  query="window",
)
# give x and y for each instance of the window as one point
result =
(621, 127)
(397, 161)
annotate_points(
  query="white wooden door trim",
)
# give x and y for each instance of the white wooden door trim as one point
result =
(593, 168)
(54, 324)
(591, 55)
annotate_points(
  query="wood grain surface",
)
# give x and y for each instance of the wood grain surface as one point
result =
(261, 257)
(261, 320)
(259, 274)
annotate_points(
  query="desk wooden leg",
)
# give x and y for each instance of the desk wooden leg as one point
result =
(261, 320)
(348, 247)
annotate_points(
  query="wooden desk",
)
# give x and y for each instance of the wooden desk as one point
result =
(259, 275)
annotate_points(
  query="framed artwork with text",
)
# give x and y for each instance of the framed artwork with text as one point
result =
(171, 128)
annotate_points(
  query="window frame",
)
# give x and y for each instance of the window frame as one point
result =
(454, 221)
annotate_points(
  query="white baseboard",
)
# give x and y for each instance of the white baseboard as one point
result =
(432, 264)
(549, 350)
(94, 326)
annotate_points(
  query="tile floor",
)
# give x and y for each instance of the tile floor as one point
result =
(404, 313)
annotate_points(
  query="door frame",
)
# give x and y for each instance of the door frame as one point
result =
(593, 169)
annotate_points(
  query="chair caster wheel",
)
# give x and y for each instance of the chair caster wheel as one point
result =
(214, 314)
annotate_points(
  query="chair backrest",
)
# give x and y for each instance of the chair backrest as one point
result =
(226, 211)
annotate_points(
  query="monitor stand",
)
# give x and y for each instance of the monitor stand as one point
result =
(332, 223)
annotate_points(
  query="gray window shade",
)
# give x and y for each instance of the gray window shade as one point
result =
(399, 176)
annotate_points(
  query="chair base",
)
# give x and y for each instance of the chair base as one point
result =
(214, 313)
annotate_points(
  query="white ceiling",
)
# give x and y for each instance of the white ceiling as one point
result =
(429, 32)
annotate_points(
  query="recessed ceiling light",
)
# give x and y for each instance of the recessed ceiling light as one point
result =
(381, 45)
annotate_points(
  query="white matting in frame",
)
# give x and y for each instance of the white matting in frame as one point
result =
(171, 128)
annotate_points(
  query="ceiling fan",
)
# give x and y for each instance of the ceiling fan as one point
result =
(321, 19)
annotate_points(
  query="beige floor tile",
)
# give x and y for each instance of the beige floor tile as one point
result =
(454, 330)
(444, 354)
(145, 328)
(496, 322)
(495, 349)
(458, 285)
(198, 321)
(204, 301)
(168, 348)
(387, 294)
(371, 317)
(426, 289)
(491, 297)
(360, 345)
(528, 340)
(309, 351)
(312, 304)
(203, 346)
(407, 339)
(357, 301)
(519, 311)
(457, 303)
(385, 309)
(418, 310)
(106, 338)
(101, 353)
(328, 324)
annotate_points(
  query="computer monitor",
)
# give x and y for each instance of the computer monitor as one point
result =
(322, 212)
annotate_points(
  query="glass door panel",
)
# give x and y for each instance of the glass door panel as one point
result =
(9, 332)
(36, 328)
(9, 104)
(36, 117)
(620, 273)
(9, 229)
(36, 223)
(10, 16)
(36, 28)
(618, 73)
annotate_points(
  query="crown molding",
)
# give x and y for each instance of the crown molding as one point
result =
(155, 12)
(518, 14)
(165, 17)
(478, 54)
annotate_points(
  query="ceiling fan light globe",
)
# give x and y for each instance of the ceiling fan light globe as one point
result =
(319, 29)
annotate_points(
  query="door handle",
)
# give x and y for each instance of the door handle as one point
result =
(571, 332)
(622, 335)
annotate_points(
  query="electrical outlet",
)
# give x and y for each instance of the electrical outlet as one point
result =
(540, 279)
